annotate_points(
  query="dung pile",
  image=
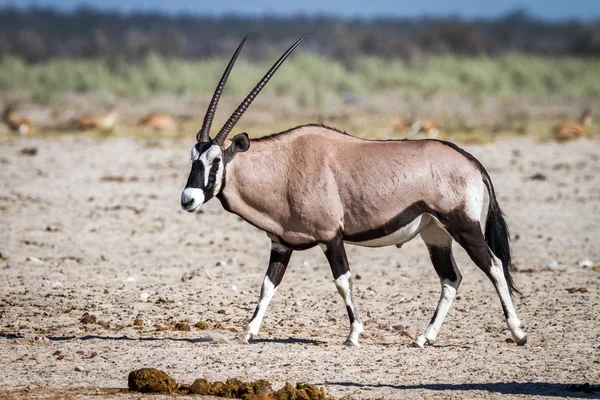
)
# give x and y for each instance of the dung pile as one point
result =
(150, 380)
(232, 389)
(257, 390)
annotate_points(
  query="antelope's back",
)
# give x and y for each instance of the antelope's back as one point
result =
(377, 180)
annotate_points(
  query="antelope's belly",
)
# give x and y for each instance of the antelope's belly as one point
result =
(399, 236)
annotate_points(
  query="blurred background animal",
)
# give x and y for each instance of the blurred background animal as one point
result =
(158, 122)
(92, 121)
(14, 122)
(568, 130)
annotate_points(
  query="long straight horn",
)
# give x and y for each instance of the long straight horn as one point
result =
(203, 134)
(235, 117)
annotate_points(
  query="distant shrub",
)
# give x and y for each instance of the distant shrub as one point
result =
(311, 78)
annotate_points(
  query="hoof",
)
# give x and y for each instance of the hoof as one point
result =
(351, 343)
(522, 342)
(421, 342)
(243, 338)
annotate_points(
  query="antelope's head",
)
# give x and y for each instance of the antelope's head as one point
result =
(209, 157)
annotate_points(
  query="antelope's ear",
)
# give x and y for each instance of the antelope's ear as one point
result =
(239, 144)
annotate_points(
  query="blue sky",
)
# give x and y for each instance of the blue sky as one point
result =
(547, 9)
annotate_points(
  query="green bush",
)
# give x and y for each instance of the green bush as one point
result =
(311, 78)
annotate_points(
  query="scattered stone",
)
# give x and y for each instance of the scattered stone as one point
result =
(577, 290)
(587, 263)
(538, 177)
(358, 277)
(188, 276)
(510, 340)
(151, 380)
(182, 326)
(52, 228)
(552, 264)
(138, 322)
(130, 279)
(88, 318)
(41, 340)
(53, 284)
(35, 260)
(79, 369)
(29, 151)
(118, 178)
(144, 296)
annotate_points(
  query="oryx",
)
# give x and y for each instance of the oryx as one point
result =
(313, 185)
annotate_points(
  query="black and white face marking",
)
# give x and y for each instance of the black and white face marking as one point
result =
(205, 177)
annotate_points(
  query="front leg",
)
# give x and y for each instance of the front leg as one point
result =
(336, 255)
(280, 257)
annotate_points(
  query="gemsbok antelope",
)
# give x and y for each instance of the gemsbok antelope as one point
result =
(313, 185)
(568, 130)
(16, 124)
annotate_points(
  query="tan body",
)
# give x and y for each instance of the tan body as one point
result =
(159, 122)
(364, 184)
(15, 123)
(91, 121)
(568, 130)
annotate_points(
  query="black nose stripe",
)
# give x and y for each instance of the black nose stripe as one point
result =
(196, 178)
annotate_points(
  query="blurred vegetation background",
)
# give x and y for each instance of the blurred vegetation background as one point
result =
(463, 73)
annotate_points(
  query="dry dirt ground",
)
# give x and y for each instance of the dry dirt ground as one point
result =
(94, 226)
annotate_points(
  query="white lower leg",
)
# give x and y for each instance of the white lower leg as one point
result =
(448, 293)
(266, 294)
(344, 287)
(514, 324)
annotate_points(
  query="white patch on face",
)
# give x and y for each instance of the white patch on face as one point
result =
(191, 199)
(195, 154)
(207, 159)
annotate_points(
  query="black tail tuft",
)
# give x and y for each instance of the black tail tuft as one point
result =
(497, 238)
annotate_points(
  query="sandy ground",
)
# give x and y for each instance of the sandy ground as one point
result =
(94, 226)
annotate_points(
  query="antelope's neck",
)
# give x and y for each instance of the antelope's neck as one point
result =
(254, 186)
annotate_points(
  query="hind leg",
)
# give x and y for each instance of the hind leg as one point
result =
(469, 235)
(439, 245)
